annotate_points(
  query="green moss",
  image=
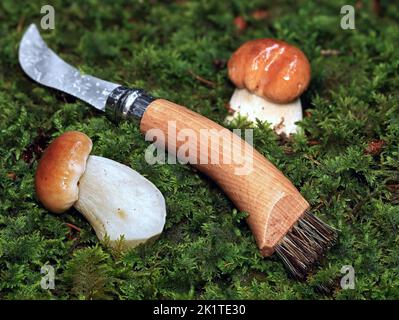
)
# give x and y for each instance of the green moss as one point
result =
(207, 250)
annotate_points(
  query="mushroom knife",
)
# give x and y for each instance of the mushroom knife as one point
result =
(278, 215)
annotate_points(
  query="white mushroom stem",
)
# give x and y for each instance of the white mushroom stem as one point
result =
(281, 116)
(118, 201)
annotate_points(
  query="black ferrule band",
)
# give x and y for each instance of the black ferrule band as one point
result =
(126, 103)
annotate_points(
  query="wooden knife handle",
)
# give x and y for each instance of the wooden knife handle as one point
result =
(254, 184)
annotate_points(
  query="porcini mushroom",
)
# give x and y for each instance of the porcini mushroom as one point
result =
(270, 75)
(115, 199)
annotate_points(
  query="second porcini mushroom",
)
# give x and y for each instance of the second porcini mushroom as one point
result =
(115, 199)
(270, 75)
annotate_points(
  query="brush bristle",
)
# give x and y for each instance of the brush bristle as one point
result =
(304, 245)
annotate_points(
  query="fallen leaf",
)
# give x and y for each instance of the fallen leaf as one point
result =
(240, 23)
(229, 109)
(313, 142)
(11, 175)
(35, 149)
(375, 147)
(260, 14)
(392, 187)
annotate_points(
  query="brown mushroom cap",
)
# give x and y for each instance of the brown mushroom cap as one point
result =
(270, 68)
(59, 170)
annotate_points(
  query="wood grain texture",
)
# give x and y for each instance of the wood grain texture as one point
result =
(270, 199)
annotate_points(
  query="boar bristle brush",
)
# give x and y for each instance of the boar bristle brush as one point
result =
(302, 246)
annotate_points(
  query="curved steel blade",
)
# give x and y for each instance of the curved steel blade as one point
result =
(42, 65)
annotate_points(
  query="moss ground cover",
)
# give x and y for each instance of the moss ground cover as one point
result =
(345, 162)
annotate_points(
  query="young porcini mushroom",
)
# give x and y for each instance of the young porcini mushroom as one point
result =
(270, 75)
(115, 199)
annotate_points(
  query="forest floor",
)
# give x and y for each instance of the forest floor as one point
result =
(345, 160)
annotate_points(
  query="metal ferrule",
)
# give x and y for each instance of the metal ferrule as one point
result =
(127, 103)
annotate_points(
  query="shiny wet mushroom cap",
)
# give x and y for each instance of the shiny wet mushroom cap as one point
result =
(270, 75)
(270, 68)
(59, 171)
